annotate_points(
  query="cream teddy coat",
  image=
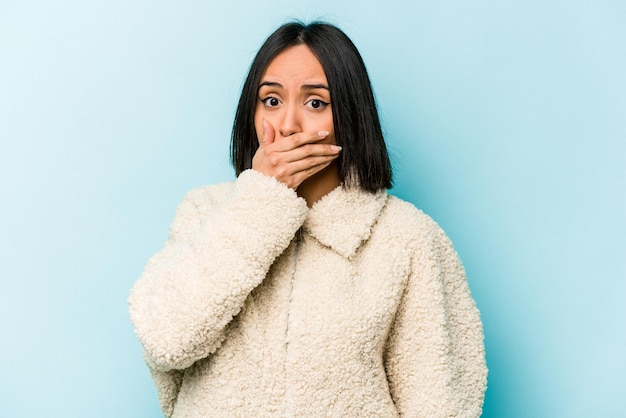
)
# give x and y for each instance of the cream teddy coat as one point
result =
(260, 307)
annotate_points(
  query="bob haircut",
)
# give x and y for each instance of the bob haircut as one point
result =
(364, 161)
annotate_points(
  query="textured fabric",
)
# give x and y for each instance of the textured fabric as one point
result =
(259, 307)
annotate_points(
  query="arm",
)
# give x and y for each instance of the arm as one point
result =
(434, 356)
(212, 260)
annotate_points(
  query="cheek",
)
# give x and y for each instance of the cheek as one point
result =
(328, 126)
(258, 124)
(320, 122)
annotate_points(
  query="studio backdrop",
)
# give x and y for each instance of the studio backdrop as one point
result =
(506, 122)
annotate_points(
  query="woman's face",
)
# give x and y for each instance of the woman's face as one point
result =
(294, 96)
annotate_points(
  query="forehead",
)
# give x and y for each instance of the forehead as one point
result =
(295, 64)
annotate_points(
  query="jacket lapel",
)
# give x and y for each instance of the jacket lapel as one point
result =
(343, 219)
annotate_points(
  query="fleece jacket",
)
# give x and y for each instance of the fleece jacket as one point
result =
(258, 306)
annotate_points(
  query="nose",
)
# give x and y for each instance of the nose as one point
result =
(291, 122)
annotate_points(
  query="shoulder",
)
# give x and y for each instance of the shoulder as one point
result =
(196, 204)
(400, 215)
(249, 191)
(410, 227)
(209, 195)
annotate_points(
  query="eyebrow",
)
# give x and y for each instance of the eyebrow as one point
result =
(304, 86)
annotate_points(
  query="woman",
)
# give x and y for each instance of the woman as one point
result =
(302, 289)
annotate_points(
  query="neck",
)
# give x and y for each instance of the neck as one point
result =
(319, 184)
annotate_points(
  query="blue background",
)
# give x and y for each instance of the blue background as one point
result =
(506, 121)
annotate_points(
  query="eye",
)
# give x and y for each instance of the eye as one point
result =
(317, 104)
(270, 101)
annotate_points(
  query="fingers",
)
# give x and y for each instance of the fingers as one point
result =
(297, 147)
(268, 134)
(294, 141)
(294, 173)
(293, 159)
(310, 150)
(296, 179)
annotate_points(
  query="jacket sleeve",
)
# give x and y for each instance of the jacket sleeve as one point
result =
(216, 254)
(434, 356)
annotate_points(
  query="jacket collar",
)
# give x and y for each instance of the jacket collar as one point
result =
(343, 219)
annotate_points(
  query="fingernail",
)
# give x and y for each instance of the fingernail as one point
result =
(322, 134)
(335, 147)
